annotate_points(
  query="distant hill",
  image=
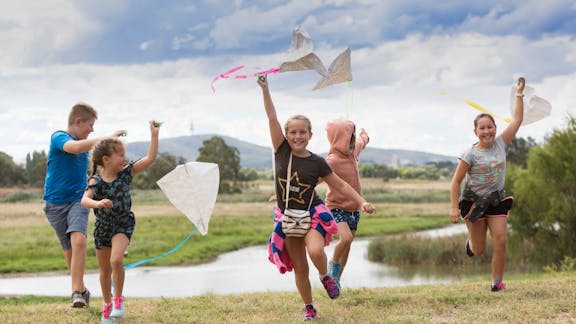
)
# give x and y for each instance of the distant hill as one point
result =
(260, 157)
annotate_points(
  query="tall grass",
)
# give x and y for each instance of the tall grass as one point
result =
(411, 249)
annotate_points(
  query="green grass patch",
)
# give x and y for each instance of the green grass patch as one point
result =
(36, 249)
(549, 298)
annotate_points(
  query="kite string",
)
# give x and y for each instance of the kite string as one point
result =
(174, 249)
(230, 74)
(349, 99)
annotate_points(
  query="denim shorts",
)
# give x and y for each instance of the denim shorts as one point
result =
(351, 218)
(65, 219)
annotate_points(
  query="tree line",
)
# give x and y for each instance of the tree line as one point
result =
(215, 150)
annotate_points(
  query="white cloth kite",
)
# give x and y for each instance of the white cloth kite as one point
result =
(300, 57)
(193, 188)
(535, 108)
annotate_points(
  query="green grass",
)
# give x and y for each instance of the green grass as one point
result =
(542, 298)
(35, 248)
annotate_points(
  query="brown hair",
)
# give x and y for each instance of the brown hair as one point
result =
(298, 117)
(104, 148)
(482, 115)
(83, 111)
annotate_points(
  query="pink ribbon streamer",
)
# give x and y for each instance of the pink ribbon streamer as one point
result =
(230, 74)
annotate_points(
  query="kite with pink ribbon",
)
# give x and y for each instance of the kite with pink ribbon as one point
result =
(299, 58)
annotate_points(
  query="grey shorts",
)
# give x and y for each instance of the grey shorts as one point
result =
(65, 219)
(351, 218)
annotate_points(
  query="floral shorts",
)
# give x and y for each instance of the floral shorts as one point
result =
(351, 218)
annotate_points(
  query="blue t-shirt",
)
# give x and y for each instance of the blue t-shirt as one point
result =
(66, 173)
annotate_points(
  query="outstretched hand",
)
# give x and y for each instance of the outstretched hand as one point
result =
(262, 81)
(118, 133)
(155, 127)
(521, 84)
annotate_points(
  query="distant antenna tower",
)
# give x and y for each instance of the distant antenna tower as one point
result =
(192, 127)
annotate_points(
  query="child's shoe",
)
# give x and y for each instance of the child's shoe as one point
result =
(309, 313)
(498, 287)
(106, 318)
(118, 309)
(468, 249)
(331, 287)
(334, 271)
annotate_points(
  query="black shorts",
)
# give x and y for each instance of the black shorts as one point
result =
(501, 210)
(105, 228)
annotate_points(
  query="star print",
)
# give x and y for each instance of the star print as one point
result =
(302, 186)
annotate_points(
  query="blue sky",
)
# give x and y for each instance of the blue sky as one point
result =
(141, 60)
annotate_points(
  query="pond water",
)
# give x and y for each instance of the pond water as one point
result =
(244, 271)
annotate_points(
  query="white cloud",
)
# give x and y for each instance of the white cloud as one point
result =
(395, 93)
(34, 32)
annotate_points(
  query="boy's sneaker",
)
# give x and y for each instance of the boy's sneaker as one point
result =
(106, 310)
(118, 307)
(498, 287)
(468, 250)
(86, 295)
(331, 286)
(77, 300)
(309, 313)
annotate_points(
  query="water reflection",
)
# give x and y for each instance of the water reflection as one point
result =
(243, 271)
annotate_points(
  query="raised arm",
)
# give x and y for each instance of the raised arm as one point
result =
(362, 139)
(276, 133)
(146, 161)
(510, 131)
(85, 145)
(339, 185)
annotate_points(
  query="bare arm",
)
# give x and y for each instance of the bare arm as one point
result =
(510, 131)
(459, 174)
(89, 202)
(276, 133)
(339, 185)
(85, 145)
(146, 161)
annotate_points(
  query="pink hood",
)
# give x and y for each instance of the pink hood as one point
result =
(343, 162)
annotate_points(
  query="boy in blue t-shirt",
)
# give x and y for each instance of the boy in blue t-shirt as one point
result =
(66, 179)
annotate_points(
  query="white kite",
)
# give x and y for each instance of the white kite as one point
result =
(535, 108)
(300, 57)
(193, 188)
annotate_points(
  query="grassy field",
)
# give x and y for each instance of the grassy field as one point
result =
(29, 246)
(547, 298)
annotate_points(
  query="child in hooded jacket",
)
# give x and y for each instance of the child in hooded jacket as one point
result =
(342, 157)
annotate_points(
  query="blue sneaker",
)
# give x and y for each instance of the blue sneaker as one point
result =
(106, 310)
(118, 309)
(334, 271)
